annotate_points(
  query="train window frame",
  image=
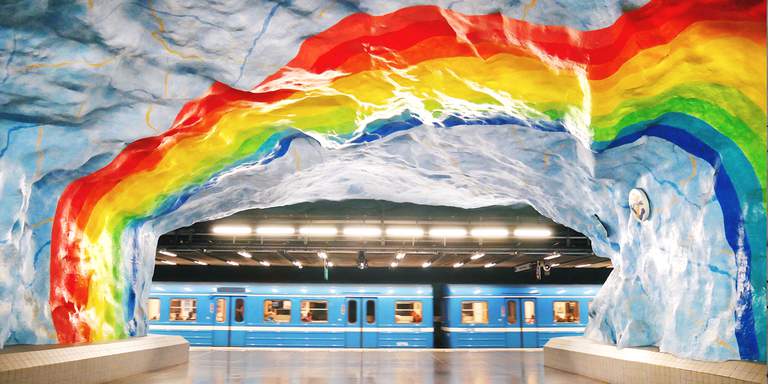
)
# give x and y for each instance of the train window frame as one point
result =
(351, 311)
(312, 310)
(370, 311)
(485, 306)
(239, 310)
(156, 308)
(403, 319)
(275, 319)
(511, 311)
(181, 300)
(221, 310)
(576, 319)
(532, 319)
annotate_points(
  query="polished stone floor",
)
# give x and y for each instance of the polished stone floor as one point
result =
(360, 366)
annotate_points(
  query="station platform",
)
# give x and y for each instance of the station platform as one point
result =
(321, 366)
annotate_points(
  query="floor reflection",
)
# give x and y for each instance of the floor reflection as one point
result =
(323, 366)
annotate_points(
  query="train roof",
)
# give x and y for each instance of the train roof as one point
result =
(294, 289)
(520, 290)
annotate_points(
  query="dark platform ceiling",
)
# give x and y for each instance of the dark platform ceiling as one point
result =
(198, 243)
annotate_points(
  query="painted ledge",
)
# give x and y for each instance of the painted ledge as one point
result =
(604, 362)
(91, 363)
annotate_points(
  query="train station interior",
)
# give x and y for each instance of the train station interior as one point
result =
(400, 191)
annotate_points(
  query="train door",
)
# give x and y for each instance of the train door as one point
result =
(529, 324)
(237, 321)
(228, 320)
(514, 323)
(370, 323)
(354, 334)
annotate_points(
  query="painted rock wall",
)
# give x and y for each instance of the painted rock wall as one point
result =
(121, 121)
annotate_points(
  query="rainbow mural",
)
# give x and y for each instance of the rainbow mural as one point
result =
(691, 73)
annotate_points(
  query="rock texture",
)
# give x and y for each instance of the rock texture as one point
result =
(121, 121)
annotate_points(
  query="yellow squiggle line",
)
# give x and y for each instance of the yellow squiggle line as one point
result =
(42, 222)
(160, 29)
(62, 64)
(687, 180)
(148, 119)
(527, 8)
(165, 84)
(40, 154)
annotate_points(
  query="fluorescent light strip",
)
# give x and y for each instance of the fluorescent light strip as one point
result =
(168, 262)
(405, 232)
(164, 252)
(490, 233)
(582, 265)
(275, 230)
(230, 262)
(445, 233)
(318, 231)
(245, 254)
(426, 264)
(477, 255)
(553, 256)
(362, 231)
(533, 233)
(393, 264)
(458, 265)
(400, 255)
(232, 230)
(322, 255)
(489, 265)
(329, 264)
(198, 262)
(264, 263)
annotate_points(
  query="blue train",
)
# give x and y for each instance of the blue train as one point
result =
(294, 315)
(513, 316)
(367, 316)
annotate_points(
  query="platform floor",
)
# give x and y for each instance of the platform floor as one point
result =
(319, 366)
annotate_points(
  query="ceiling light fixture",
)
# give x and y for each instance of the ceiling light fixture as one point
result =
(164, 252)
(198, 262)
(459, 264)
(533, 233)
(393, 264)
(275, 230)
(297, 264)
(489, 265)
(365, 231)
(490, 233)
(232, 230)
(477, 255)
(322, 255)
(264, 263)
(400, 255)
(405, 232)
(583, 265)
(445, 233)
(426, 264)
(329, 264)
(168, 262)
(318, 231)
(554, 255)
(554, 264)
(233, 263)
(245, 254)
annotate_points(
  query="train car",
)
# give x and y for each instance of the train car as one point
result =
(294, 315)
(513, 316)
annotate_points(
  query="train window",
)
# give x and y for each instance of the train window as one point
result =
(277, 311)
(314, 311)
(566, 311)
(511, 312)
(352, 311)
(183, 310)
(408, 312)
(370, 311)
(239, 310)
(474, 312)
(153, 309)
(221, 310)
(529, 308)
